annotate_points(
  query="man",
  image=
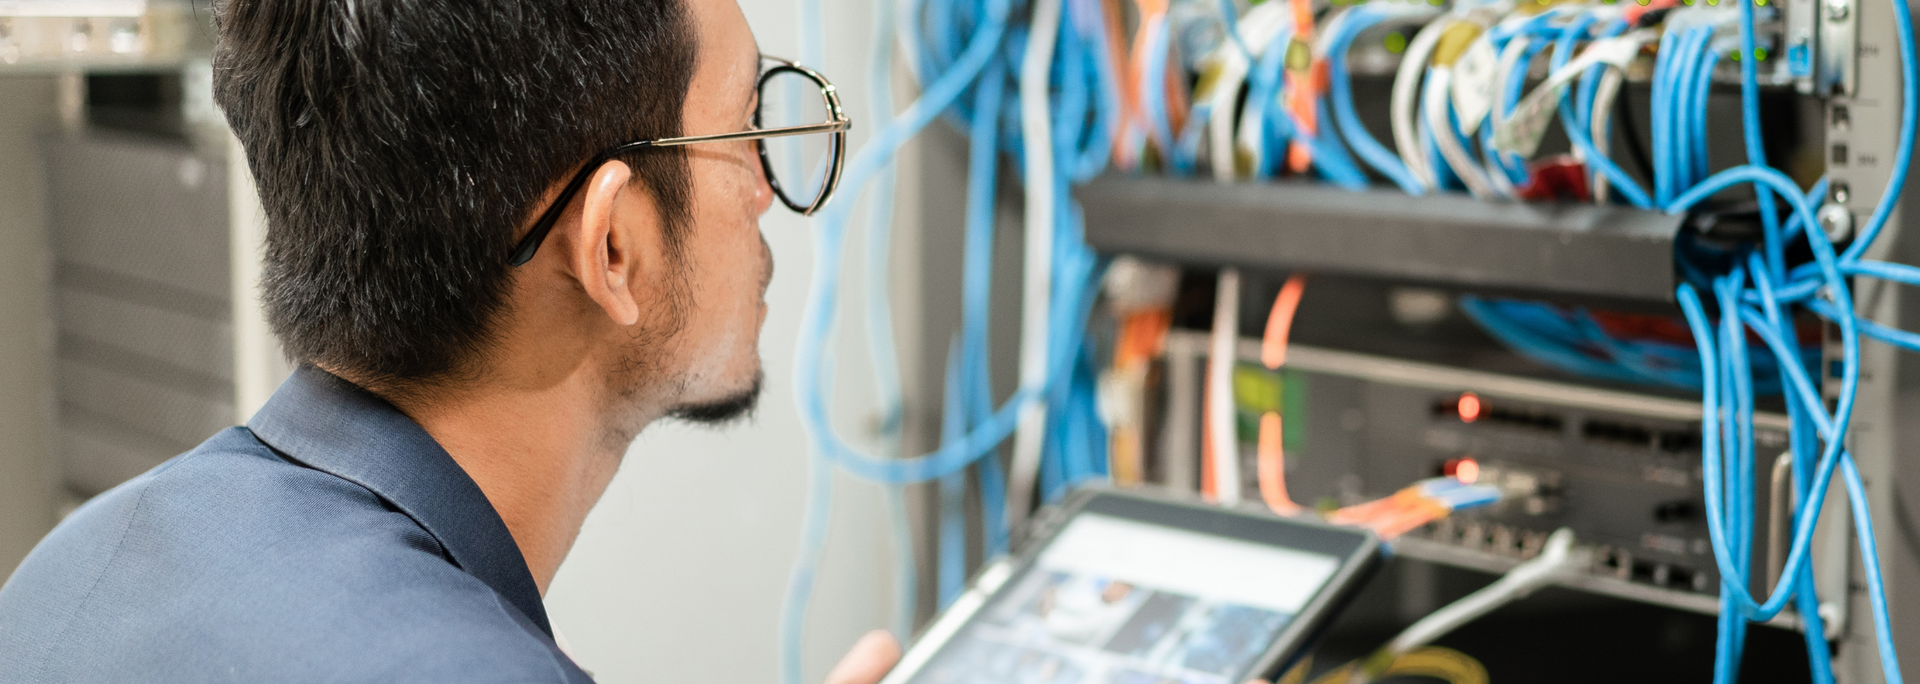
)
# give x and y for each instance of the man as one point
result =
(470, 374)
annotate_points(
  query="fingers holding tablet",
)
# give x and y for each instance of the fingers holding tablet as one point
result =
(1136, 588)
(868, 661)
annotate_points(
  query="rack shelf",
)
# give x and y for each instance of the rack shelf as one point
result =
(1567, 249)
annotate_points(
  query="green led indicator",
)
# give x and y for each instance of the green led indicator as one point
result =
(1396, 42)
(1759, 54)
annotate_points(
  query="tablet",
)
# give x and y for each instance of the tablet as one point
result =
(1139, 588)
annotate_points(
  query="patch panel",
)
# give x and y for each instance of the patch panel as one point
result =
(1621, 469)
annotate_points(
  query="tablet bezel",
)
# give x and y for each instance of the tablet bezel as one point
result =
(1357, 550)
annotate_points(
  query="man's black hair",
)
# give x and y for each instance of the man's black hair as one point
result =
(400, 145)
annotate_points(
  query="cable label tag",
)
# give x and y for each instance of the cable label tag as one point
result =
(1473, 85)
(1522, 132)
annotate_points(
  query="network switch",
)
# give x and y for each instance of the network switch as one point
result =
(1621, 469)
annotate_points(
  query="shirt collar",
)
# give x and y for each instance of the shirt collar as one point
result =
(326, 423)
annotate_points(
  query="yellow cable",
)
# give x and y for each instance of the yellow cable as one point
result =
(1298, 673)
(1435, 662)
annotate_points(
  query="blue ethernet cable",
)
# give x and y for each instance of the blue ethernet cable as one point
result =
(942, 97)
(1909, 116)
(1845, 316)
(1443, 176)
(829, 236)
(1660, 114)
(1680, 148)
(1264, 79)
(1075, 283)
(1530, 343)
(881, 345)
(1330, 158)
(1588, 87)
(1230, 19)
(977, 268)
(1805, 596)
(1154, 96)
(813, 543)
(1628, 188)
(1830, 427)
(1774, 243)
(1088, 21)
(1516, 81)
(950, 574)
(819, 498)
(1346, 121)
(969, 393)
(1876, 585)
(1703, 89)
(1802, 443)
(1741, 432)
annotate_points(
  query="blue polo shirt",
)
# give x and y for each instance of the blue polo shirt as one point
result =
(329, 540)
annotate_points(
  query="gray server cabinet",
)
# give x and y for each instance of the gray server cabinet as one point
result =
(142, 303)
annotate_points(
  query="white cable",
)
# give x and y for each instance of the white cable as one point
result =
(1258, 30)
(1521, 133)
(1220, 357)
(1435, 97)
(1406, 83)
(1252, 136)
(1502, 74)
(1602, 116)
(1557, 559)
(1036, 129)
(906, 33)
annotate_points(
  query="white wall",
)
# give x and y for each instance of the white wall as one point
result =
(26, 410)
(682, 569)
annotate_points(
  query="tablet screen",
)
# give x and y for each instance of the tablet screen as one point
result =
(1118, 601)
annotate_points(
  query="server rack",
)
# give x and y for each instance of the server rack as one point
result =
(1613, 256)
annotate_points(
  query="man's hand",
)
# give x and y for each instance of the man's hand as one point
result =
(872, 656)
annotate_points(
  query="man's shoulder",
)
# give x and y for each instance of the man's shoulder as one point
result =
(231, 562)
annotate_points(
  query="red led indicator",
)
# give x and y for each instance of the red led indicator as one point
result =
(1465, 470)
(1469, 407)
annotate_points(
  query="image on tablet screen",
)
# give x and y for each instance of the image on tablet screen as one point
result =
(1115, 601)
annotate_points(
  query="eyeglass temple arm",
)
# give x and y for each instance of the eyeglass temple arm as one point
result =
(828, 127)
(523, 252)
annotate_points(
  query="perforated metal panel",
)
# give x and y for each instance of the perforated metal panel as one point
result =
(139, 229)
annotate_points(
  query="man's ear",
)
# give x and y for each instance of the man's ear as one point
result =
(603, 253)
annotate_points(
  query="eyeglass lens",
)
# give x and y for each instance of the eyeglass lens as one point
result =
(799, 164)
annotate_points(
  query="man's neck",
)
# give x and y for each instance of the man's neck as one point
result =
(538, 450)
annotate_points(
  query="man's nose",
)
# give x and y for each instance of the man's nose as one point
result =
(762, 188)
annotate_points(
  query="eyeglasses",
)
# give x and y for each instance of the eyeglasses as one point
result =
(799, 128)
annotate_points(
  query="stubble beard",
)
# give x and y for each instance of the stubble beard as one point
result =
(725, 410)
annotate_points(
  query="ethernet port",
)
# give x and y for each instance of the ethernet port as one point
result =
(1676, 511)
(1474, 535)
(1521, 418)
(1531, 543)
(1679, 441)
(1501, 540)
(1679, 577)
(1647, 572)
(1614, 562)
(1617, 433)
